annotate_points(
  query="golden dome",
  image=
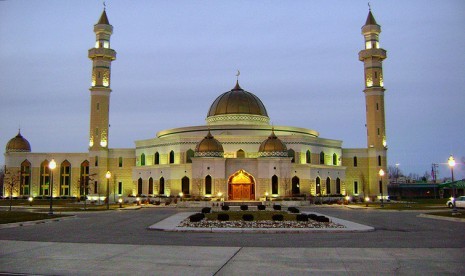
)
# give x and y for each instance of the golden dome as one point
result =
(18, 144)
(272, 147)
(209, 147)
(237, 101)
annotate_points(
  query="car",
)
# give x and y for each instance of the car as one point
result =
(459, 202)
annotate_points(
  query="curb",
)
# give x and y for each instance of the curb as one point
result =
(34, 222)
(441, 218)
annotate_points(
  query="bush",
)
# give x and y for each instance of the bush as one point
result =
(157, 203)
(167, 203)
(244, 207)
(247, 217)
(277, 217)
(225, 208)
(312, 216)
(322, 219)
(277, 207)
(196, 217)
(301, 217)
(293, 210)
(223, 217)
(206, 210)
(261, 207)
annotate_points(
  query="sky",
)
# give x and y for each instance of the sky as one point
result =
(175, 57)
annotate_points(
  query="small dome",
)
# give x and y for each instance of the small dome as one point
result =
(272, 147)
(209, 147)
(237, 101)
(18, 144)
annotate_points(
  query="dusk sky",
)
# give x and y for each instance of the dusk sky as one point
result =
(175, 57)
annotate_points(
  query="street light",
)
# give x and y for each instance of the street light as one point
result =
(381, 174)
(107, 176)
(451, 162)
(52, 165)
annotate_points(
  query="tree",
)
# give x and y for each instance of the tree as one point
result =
(11, 182)
(426, 176)
(394, 173)
(2, 177)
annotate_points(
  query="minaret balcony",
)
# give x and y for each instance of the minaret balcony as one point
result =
(369, 53)
(102, 52)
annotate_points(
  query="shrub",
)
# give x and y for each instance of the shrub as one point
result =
(301, 217)
(322, 219)
(293, 210)
(206, 210)
(223, 217)
(261, 207)
(196, 217)
(277, 217)
(167, 203)
(277, 207)
(157, 203)
(312, 216)
(247, 217)
(225, 208)
(244, 207)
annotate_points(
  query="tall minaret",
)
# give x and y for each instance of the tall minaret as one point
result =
(102, 56)
(372, 57)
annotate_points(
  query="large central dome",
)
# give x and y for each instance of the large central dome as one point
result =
(237, 106)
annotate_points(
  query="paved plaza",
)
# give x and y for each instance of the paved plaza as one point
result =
(118, 242)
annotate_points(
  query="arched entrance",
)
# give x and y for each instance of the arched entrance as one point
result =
(241, 186)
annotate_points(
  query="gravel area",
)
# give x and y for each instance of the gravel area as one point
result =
(259, 224)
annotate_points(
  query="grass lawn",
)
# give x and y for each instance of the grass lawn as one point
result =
(449, 214)
(15, 216)
(410, 204)
(258, 215)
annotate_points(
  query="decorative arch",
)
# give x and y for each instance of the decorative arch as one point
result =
(240, 154)
(44, 188)
(241, 186)
(171, 157)
(334, 159)
(295, 186)
(318, 186)
(142, 159)
(161, 188)
(65, 178)
(274, 185)
(338, 186)
(308, 157)
(150, 186)
(328, 185)
(189, 155)
(25, 178)
(156, 158)
(208, 185)
(355, 161)
(139, 186)
(322, 158)
(291, 153)
(185, 185)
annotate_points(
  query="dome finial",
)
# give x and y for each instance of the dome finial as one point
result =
(237, 87)
(369, 6)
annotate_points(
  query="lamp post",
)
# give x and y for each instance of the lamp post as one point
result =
(52, 165)
(381, 174)
(107, 176)
(451, 162)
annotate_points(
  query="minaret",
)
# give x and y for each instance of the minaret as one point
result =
(372, 57)
(102, 56)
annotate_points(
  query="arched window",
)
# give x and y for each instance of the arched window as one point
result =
(65, 178)
(189, 155)
(25, 178)
(379, 160)
(185, 185)
(84, 178)
(139, 186)
(120, 162)
(44, 179)
(274, 185)
(338, 186)
(322, 157)
(157, 158)
(171, 157)
(334, 159)
(208, 185)
(355, 161)
(291, 153)
(240, 154)
(295, 186)
(150, 186)
(318, 186)
(142, 159)
(328, 186)
(308, 156)
(161, 189)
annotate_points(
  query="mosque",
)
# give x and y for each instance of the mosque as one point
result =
(236, 155)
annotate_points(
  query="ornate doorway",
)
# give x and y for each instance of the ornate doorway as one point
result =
(241, 186)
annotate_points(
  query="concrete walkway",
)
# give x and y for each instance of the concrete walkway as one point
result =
(50, 258)
(171, 223)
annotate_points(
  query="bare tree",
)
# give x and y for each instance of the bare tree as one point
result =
(426, 176)
(11, 182)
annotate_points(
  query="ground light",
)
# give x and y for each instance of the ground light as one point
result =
(30, 200)
(107, 176)
(181, 194)
(381, 174)
(120, 201)
(367, 199)
(451, 162)
(52, 165)
(138, 200)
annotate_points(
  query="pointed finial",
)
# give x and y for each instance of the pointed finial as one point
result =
(238, 74)
(369, 6)
(104, 5)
